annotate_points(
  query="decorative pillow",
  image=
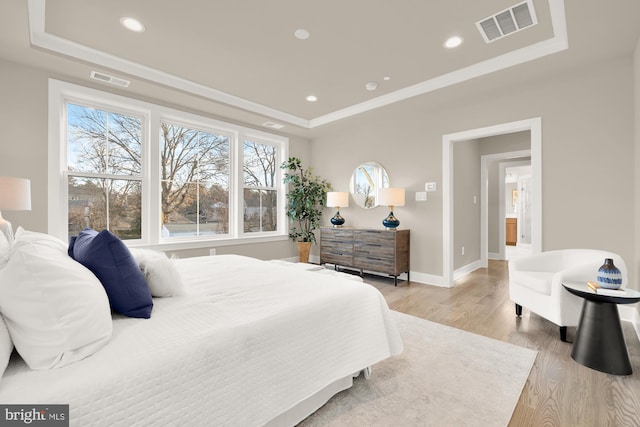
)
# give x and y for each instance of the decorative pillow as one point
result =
(111, 261)
(160, 271)
(56, 310)
(6, 346)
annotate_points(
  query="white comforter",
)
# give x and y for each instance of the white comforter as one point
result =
(251, 340)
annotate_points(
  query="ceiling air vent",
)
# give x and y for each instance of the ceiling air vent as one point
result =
(110, 79)
(508, 21)
(273, 125)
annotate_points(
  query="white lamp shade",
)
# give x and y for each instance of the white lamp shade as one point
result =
(337, 199)
(391, 196)
(15, 194)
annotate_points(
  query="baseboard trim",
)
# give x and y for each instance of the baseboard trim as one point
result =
(463, 271)
(428, 279)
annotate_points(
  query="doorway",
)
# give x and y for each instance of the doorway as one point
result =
(515, 198)
(535, 127)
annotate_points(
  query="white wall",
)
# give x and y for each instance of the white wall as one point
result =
(466, 203)
(587, 151)
(636, 78)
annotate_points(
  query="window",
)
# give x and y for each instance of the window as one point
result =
(261, 169)
(194, 177)
(157, 176)
(104, 153)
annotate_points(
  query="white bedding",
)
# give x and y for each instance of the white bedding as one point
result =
(249, 341)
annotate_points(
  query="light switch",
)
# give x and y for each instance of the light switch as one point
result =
(430, 186)
(421, 196)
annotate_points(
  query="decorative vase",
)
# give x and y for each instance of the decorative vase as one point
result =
(303, 251)
(609, 276)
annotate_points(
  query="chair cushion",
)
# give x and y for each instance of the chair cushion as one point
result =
(538, 281)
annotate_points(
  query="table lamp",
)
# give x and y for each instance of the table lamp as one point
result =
(15, 195)
(391, 197)
(337, 199)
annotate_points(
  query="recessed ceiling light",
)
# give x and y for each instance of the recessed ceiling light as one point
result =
(301, 34)
(452, 42)
(386, 78)
(371, 86)
(312, 98)
(132, 24)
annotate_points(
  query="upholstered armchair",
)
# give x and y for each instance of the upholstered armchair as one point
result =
(535, 282)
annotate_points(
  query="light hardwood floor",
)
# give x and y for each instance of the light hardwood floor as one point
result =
(559, 391)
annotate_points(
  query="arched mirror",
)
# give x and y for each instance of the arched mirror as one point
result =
(365, 181)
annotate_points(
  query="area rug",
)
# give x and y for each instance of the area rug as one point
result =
(444, 377)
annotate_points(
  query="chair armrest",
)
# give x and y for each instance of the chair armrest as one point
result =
(546, 261)
(577, 273)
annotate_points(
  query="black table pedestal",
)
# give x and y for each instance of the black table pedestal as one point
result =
(599, 342)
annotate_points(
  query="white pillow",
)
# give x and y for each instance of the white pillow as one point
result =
(5, 250)
(23, 236)
(6, 346)
(56, 310)
(160, 272)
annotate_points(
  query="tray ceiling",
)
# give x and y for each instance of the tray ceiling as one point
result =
(244, 53)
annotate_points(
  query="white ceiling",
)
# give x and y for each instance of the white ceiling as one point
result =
(243, 56)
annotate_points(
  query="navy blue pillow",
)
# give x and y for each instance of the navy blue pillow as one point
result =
(111, 261)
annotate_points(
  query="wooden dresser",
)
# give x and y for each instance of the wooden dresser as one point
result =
(378, 251)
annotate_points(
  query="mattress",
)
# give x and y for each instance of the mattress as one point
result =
(250, 340)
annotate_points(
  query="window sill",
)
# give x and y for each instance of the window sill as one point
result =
(197, 244)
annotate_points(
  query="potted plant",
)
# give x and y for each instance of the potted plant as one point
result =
(306, 198)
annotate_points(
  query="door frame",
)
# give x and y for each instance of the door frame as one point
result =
(534, 125)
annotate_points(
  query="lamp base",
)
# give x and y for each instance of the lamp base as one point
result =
(391, 222)
(337, 220)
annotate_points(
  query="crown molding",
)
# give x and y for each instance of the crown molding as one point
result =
(40, 38)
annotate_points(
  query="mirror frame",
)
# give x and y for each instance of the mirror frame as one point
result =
(364, 184)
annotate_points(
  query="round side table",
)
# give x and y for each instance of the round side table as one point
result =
(599, 342)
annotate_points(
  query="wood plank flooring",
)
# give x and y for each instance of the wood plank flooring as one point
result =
(559, 391)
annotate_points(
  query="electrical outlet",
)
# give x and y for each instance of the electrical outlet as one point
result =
(463, 250)
(212, 251)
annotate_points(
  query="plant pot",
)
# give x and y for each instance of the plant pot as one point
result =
(303, 251)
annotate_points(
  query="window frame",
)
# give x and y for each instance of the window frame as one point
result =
(61, 93)
(281, 199)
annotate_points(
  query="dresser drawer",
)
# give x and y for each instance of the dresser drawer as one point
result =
(370, 237)
(328, 235)
(374, 264)
(374, 250)
(337, 259)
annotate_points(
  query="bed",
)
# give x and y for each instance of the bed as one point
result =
(250, 343)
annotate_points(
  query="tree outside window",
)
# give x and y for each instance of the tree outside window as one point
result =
(195, 181)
